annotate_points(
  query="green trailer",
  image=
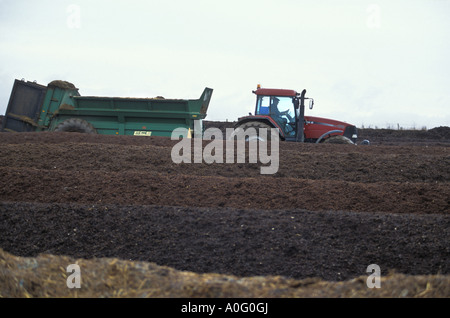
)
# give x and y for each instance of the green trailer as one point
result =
(60, 107)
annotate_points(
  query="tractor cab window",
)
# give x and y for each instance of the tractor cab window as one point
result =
(263, 105)
(281, 109)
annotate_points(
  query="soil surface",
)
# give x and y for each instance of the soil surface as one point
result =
(328, 213)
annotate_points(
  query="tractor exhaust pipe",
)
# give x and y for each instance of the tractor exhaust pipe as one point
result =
(301, 118)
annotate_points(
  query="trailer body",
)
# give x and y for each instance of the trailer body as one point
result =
(34, 107)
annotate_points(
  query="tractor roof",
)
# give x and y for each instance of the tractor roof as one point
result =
(275, 92)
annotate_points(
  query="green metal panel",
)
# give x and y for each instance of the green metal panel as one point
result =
(59, 96)
(126, 116)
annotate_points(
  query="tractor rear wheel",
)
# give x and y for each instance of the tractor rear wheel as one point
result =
(76, 125)
(338, 140)
(243, 130)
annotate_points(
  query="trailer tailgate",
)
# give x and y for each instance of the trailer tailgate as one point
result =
(24, 107)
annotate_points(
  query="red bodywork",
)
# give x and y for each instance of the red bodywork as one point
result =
(315, 127)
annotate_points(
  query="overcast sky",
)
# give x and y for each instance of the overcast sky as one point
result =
(370, 63)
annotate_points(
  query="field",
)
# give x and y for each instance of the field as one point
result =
(140, 225)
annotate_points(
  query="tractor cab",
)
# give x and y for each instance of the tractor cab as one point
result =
(282, 108)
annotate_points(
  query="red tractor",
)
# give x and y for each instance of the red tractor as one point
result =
(285, 109)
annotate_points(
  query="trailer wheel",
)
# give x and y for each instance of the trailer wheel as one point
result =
(76, 125)
(240, 130)
(338, 140)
